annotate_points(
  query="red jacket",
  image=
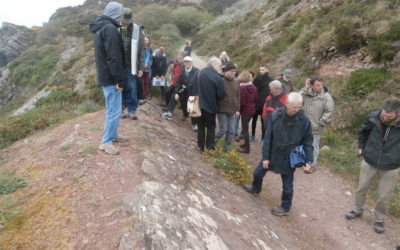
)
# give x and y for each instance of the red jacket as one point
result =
(248, 99)
(176, 70)
(274, 102)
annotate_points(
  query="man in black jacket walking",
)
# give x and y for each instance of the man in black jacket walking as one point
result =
(110, 70)
(288, 127)
(378, 143)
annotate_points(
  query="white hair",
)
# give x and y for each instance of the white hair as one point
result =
(276, 84)
(294, 97)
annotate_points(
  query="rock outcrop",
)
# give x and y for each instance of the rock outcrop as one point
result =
(14, 39)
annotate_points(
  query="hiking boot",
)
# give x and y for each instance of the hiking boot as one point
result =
(352, 215)
(109, 149)
(121, 139)
(244, 150)
(166, 115)
(133, 115)
(379, 227)
(251, 138)
(279, 211)
(311, 170)
(123, 115)
(194, 127)
(249, 189)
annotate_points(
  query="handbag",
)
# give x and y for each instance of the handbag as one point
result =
(297, 157)
(193, 106)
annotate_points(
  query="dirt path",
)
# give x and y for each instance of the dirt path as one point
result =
(319, 204)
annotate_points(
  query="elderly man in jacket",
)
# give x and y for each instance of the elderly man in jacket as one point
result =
(287, 128)
(110, 70)
(379, 145)
(318, 106)
(211, 91)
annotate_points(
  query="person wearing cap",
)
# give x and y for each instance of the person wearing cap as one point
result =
(109, 53)
(186, 79)
(318, 106)
(285, 79)
(229, 106)
(133, 39)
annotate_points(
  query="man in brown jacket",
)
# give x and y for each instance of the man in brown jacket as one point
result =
(229, 107)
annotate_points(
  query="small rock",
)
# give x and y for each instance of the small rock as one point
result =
(303, 215)
(348, 193)
(325, 148)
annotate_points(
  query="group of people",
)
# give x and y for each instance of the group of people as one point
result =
(289, 119)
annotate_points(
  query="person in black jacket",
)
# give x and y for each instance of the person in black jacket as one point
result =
(288, 127)
(379, 145)
(110, 70)
(159, 68)
(181, 93)
(211, 91)
(261, 82)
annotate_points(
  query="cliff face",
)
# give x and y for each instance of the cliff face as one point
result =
(14, 39)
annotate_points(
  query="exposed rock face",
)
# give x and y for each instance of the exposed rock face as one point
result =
(14, 39)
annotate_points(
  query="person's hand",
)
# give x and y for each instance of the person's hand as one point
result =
(237, 113)
(266, 164)
(308, 84)
(118, 87)
(307, 167)
(176, 97)
(140, 73)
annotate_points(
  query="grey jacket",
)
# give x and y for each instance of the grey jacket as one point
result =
(318, 108)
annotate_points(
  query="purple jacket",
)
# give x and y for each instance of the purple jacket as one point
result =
(248, 99)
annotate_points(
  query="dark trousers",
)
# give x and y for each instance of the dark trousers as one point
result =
(183, 99)
(254, 124)
(139, 87)
(245, 128)
(195, 120)
(168, 93)
(287, 185)
(206, 120)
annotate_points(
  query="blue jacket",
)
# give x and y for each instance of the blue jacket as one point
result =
(211, 90)
(283, 134)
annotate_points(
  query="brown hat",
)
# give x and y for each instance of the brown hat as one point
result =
(127, 16)
(229, 66)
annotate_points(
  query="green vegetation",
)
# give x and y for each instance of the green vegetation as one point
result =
(232, 164)
(364, 81)
(347, 36)
(10, 183)
(189, 19)
(217, 7)
(34, 66)
(381, 47)
(284, 6)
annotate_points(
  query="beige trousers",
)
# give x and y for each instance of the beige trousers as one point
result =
(386, 186)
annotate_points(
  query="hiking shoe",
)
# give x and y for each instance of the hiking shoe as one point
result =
(133, 115)
(379, 227)
(279, 211)
(123, 115)
(352, 215)
(249, 189)
(194, 127)
(312, 170)
(109, 149)
(142, 101)
(251, 138)
(166, 115)
(121, 139)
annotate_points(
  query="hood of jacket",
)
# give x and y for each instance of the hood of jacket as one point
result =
(114, 10)
(100, 22)
(249, 87)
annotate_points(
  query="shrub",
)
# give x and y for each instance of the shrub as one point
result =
(364, 81)
(217, 7)
(394, 31)
(284, 6)
(347, 36)
(381, 50)
(10, 183)
(153, 16)
(188, 19)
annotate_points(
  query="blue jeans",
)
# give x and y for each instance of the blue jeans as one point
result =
(113, 110)
(287, 185)
(129, 94)
(226, 126)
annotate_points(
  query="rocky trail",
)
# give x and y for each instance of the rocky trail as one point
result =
(161, 193)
